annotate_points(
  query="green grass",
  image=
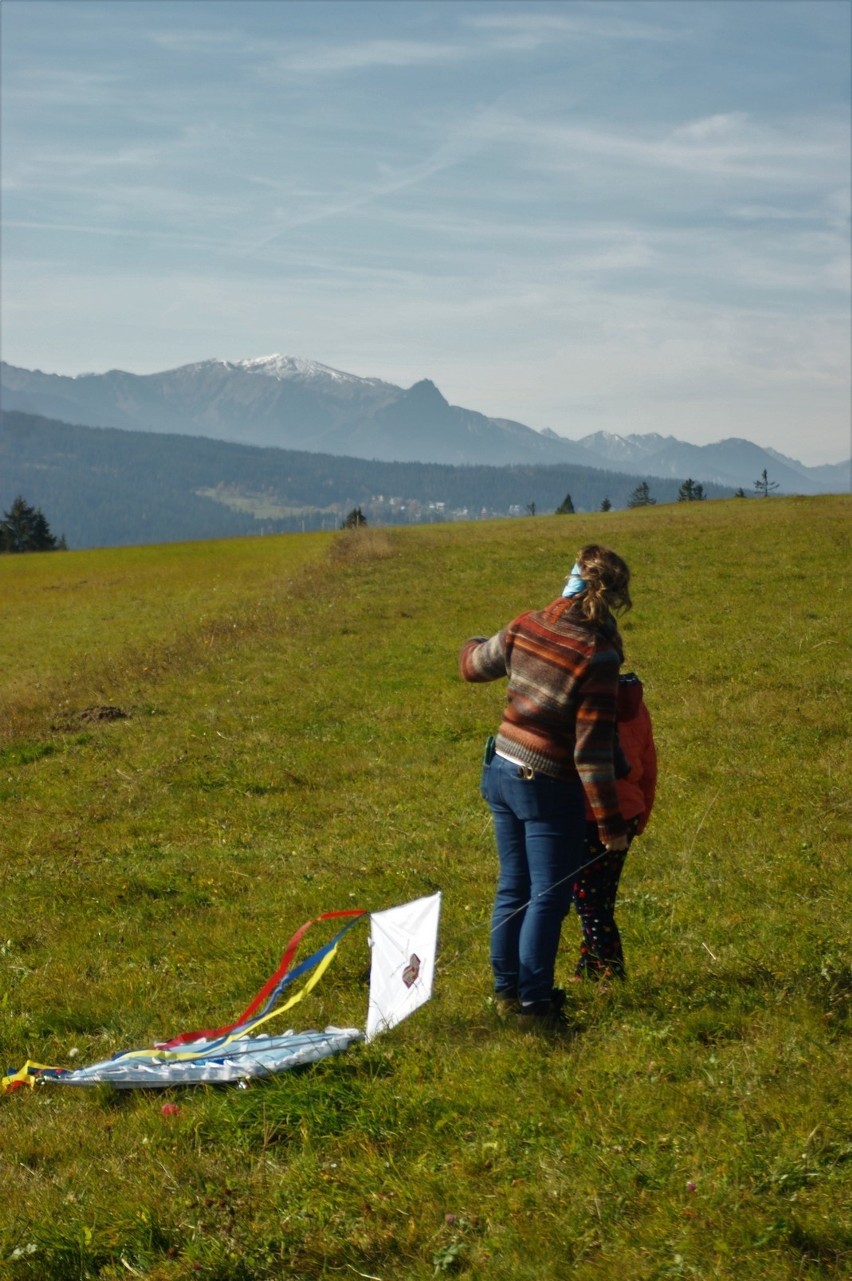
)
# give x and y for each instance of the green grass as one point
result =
(260, 505)
(78, 635)
(297, 740)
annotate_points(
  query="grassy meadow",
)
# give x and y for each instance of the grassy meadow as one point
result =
(296, 740)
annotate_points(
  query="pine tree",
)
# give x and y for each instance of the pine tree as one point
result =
(566, 507)
(765, 486)
(641, 496)
(690, 492)
(354, 520)
(25, 529)
(605, 505)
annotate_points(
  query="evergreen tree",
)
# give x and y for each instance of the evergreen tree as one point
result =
(566, 507)
(765, 486)
(354, 520)
(641, 496)
(530, 509)
(740, 493)
(690, 492)
(605, 505)
(25, 529)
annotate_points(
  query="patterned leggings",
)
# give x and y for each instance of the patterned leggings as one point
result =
(593, 895)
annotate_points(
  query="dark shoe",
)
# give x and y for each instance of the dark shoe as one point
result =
(506, 1005)
(546, 1018)
(552, 1024)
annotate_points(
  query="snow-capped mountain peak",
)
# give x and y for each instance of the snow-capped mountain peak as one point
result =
(611, 446)
(283, 367)
(650, 441)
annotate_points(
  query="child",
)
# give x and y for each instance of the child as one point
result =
(595, 889)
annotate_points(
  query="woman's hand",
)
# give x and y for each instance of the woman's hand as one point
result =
(616, 846)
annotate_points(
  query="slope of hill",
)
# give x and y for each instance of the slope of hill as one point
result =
(102, 486)
(288, 403)
(297, 741)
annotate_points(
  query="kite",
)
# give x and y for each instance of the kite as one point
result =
(403, 942)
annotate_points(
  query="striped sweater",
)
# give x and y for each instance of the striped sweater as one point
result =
(561, 699)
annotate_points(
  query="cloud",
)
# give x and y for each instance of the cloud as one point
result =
(532, 28)
(727, 125)
(789, 153)
(476, 36)
(310, 58)
(52, 87)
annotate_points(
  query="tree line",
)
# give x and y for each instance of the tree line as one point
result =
(690, 491)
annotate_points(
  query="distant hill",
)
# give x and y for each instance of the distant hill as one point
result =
(104, 486)
(288, 403)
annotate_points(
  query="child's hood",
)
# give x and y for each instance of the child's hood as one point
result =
(630, 691)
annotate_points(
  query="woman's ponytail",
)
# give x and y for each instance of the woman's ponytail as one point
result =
(607, 584)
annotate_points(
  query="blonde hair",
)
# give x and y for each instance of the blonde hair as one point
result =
(608, 583)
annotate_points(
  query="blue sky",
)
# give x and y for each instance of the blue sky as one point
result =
(584, 216)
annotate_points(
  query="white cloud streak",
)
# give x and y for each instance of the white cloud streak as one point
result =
(321, 58)
(533, 28)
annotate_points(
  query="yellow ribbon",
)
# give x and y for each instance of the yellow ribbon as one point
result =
(24, 1076)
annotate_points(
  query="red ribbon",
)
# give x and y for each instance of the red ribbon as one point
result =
(212, 1034)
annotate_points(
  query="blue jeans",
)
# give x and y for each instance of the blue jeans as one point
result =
(540, 827)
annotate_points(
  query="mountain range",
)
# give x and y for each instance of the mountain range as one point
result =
(288, 403)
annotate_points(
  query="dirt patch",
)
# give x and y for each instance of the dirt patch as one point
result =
(90, 715)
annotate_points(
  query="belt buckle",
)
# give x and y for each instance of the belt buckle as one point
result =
(526, 772)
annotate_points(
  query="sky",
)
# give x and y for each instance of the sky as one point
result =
(584, 215)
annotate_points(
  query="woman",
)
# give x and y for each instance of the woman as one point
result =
(554, 749)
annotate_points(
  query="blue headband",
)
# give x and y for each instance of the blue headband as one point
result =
(576, 584)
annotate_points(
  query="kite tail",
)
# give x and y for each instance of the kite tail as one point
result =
(262, 1008)
(275, 985)
(28, 1075)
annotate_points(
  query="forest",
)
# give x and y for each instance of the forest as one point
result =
(108, 487)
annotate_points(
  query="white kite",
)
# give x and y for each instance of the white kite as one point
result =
(404, 941)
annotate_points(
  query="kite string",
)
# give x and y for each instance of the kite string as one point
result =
(474, 929)
(576, 872)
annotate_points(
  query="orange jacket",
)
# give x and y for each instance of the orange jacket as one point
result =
(635, 733)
